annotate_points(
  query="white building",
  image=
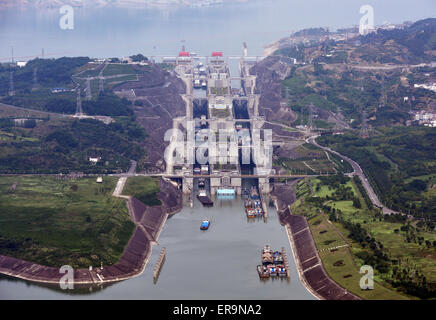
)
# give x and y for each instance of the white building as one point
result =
(94, 160)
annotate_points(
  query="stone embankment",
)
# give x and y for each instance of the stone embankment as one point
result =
(309, 265)
(149, 223)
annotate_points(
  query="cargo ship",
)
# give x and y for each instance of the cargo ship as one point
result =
(273, 264)
(253, 204)
(204, 199)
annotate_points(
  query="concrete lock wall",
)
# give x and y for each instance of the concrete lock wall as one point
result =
(188, 185)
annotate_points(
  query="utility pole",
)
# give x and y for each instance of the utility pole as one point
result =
(364, 131)
(383, 95)
(88, 89)
(310, 120)
(79, 110)
(11, 84)
(100, 85)
(35, 79)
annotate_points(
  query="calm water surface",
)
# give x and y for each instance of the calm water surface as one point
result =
(219, 263)
(112, 32)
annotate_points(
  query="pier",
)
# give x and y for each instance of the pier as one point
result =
(286, 262)
(159, 264)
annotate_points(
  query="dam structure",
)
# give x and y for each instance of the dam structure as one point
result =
(222, 123)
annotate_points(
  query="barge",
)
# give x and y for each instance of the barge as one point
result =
(273, 264)
(253, 204)
(204, 199)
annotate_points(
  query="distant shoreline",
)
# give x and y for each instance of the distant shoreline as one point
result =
(132, 4)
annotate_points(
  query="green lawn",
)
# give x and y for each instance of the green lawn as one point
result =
(54, 222)
(144, 189)
(339, 264)
(328, 235)
(114, 69)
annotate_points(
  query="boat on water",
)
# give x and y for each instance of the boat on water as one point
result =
(278, 258)
(263, 272)
(267, 258)
(204, 199)
(197, 83)
(205, 225)
(201, 183)
(272, 269)
(248, 204)
(267, 248)
(254, 193)
(281, 270)
(272, 263)
(258, 212)
(250, 213)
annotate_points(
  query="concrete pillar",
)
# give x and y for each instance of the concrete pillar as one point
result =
(188, 185)
(264, 186)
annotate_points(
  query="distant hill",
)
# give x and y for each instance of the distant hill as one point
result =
(414, 44)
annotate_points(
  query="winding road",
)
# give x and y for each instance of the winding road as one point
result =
(359, 172)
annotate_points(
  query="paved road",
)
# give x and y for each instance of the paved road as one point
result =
(359, 172)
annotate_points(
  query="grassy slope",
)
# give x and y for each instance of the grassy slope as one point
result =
(144, 189)
(347, 275)
(47, 222)
(332, 238)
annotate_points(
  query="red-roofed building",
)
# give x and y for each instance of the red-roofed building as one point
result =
(184, 54)
(217, 54)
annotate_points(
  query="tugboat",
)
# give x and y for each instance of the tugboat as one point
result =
(205, 225)
(263, 272)
(250, 213)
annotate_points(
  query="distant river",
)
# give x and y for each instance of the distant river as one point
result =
(120, 32)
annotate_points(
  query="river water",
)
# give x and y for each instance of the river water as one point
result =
(110, 32)
(219, 263)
